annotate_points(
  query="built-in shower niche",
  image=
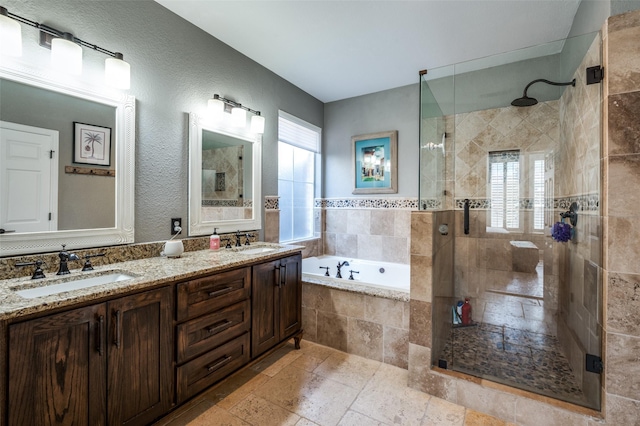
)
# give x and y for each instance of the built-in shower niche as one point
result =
(536, 302)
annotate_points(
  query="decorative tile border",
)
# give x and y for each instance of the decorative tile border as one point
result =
(366, 203)
(220, 203)
(272, 202)
(588, 202)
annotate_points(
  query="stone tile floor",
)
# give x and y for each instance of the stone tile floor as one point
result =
(317, 385)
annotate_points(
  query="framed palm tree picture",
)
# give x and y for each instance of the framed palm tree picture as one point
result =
(91, 144)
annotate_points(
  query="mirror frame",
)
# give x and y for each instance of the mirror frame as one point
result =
(196, 224)
(12, 244)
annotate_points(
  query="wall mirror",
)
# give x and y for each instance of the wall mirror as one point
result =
(224, 177)
(67, 160)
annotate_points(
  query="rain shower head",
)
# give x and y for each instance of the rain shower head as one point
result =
(526, 101)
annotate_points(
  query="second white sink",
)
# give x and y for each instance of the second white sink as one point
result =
(48, 290)
(258, 250)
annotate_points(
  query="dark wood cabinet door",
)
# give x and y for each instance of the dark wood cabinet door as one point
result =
(140, 385)
(57, 369)
(290, 296)
(265, 321)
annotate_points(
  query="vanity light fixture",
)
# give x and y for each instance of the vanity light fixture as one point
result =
(66, 50)
(219, 105)
(10, 34)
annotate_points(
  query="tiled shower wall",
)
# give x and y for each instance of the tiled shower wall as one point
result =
(484, 257)
(622, 218)
(432, 292)
(576, 174)
(621, 251)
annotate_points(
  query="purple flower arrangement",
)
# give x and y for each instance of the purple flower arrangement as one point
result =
(561, 232)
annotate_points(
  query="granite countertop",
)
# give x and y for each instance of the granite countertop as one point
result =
(148, 273)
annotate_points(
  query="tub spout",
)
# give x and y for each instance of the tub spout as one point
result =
(340, 265)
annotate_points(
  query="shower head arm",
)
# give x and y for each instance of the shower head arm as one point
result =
(553, 83)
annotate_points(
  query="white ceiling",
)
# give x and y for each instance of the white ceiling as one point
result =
(339, 49)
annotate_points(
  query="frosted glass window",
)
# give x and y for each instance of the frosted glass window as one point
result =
(297, 161)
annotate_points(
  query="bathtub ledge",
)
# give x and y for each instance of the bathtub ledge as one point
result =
(367, 289)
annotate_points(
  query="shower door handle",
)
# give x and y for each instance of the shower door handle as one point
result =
(466, 216)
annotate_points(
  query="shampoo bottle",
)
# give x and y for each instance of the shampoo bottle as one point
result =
(214, 240)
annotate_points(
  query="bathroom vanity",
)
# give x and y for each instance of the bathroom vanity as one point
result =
(128, 352)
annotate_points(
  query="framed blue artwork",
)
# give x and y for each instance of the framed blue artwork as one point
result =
(375, 163)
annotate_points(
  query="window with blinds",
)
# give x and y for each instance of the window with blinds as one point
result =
(298, 154)
(538, 195)
(504, 179)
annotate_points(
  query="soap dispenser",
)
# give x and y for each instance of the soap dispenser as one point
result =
(214, 240)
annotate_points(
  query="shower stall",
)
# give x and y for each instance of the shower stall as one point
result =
(519, 189)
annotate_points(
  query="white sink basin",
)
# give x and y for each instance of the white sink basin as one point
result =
(47, 290)
(258, 250)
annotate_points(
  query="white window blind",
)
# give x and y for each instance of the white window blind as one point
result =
(538, 194)
(505, 189)
(297, 132)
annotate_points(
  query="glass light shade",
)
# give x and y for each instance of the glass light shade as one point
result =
(257, 124)
(10, 37)
(238, 117)
(216, 109)
(117, 73)
(66, 55)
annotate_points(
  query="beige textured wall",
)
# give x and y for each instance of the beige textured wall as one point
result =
(621, 247)
(370, 234)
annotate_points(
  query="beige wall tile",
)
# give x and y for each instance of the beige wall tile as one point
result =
(336, 221)
(359, 221)
(623, 123)
(421, 277)
(623, 304)
(395, 250)
(365, 338)
(534, 413)
(486, 400)
(623, 53)
(272, 226)
(624, 172)
(332, 330)
(421, 233)
(622, 363)
(402, 223)
(420, 323)
(396, 346)
(384, 311)
(622, 245)
(621, 411)
(370, 247)
(346, 245)
(310, 324)
(382, 222)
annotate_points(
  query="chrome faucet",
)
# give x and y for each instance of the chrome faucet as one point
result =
(64, 257)
(340, 265)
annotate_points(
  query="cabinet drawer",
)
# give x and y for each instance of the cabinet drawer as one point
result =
(205, 333)
(207, 369)
(208, 294)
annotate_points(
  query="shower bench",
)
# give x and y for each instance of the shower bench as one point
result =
(524, 256)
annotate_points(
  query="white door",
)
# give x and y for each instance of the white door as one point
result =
(28, 178)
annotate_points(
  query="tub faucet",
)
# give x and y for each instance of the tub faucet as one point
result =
(340, 265)
(64, 257)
